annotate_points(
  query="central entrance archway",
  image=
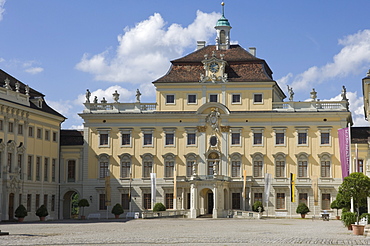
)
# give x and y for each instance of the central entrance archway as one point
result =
(70, 209)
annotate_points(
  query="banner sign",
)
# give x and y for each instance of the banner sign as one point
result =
(107, 190)
(344, 150)
(292, 187)
(153, 187)
(267, 187)
(315, 189)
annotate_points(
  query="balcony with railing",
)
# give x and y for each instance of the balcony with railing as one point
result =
(114, 108)
(311, 106)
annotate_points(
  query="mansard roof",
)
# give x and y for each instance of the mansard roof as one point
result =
(71, 137)
(242, 66)
(32, 93)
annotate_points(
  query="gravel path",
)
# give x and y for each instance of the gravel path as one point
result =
(181, 232)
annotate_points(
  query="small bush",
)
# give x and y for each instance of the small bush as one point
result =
(302, 209)
(42, 211)
(117, 209)
(21, 212)
(348, 218)
(159, 207)
(256, 205)
(83, 203)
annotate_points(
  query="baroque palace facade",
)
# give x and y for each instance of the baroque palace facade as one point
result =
(221, 127)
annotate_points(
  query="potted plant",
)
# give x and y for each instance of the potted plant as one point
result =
(335, 205)
(356, 186)
(20, 213)
(42, 212)
(348, 218)
(258, 207)
(158, 207)
(117, 210)
(83, 203)
(303, 210)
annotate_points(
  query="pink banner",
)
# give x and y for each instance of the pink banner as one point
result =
(344, 149)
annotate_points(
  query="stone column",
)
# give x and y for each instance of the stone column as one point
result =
(194, 201)
(215, 201)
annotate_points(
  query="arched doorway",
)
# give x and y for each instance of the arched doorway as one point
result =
(11, 206)
(206, 201)
(70, 208)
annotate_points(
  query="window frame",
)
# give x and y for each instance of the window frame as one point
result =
(255, 133)
(255, 96)
(126, 131)
(146, 135)
(212, 96)
(104, 142)
(238, 96)
(168, 96)
(280, 200)
(195, 99)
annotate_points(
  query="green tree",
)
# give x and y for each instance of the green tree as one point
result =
(74, 204)
(83, 203)
(256, 205)
(159, 207)
(356, 186)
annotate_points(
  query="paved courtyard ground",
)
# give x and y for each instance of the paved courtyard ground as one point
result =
(181, 232)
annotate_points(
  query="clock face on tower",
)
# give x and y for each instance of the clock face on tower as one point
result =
(214, 67)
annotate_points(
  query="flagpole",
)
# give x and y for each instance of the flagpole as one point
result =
(129, 191)
(175, 188)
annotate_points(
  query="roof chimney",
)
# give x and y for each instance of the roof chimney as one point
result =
(252, 50)
(201, 44)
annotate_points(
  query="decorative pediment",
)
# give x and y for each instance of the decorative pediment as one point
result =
(214, 69)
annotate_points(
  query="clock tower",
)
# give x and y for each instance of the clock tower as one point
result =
(223, 31)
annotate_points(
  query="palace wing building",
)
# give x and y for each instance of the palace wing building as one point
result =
(218, 138)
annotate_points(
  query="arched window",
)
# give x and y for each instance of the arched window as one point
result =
(125, 165)
(325, 162)
(190, 164)
(302, 160)
(257, 165)
(147, 164)
(103, 160)
(213, 160)
(279, 165)
(235, 165)
(169, 165)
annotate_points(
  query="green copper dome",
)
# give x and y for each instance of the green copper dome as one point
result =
(223, 21)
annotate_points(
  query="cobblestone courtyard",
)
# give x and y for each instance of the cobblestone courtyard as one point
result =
(181, 232)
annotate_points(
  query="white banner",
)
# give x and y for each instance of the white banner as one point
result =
(267, 187)
(153, 187)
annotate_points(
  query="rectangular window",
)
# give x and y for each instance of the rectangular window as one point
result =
(46, 200)
(169, 167)
(360, 166)
(39, 133)
(10, 161)
(235, 98)
(325, 169)
(54, 161)
(235, 168)
(147, 169)
(147, 203)
(235, 138)
(1, 125)
(325, 202)
(213, 98)
(46, 169)
(55, 136)
(126, 139)
(20, 129)
(192, 99)
(103, 139)
(235, 201)
(103, 169)
(38, 168)
(30, 131)
(325, 138)
(302, 169)
(279, 138)
(191, 140)
(257, 138)
(71, 171)
(302, 138)
(280, 200)
(169, 200)
(11, 127)
(170, 99)
(210, 167)
(37, 201)
(280, 169)
(257, 168)
(20, 167)
(52, 208)
(47, 135)
(125, 169)
(102, 205)
(29, 202)
(257, 197)
(148, 139)
(303, 198)
(170, 139)
(189, 168)
(125, 200)
(258, 98)
(29, 167)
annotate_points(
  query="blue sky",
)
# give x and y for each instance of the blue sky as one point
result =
(61, 48)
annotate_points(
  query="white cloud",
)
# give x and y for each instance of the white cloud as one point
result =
(34, 70)
(2, 59)
(143, 51)
(2, 10)
(353, 57)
